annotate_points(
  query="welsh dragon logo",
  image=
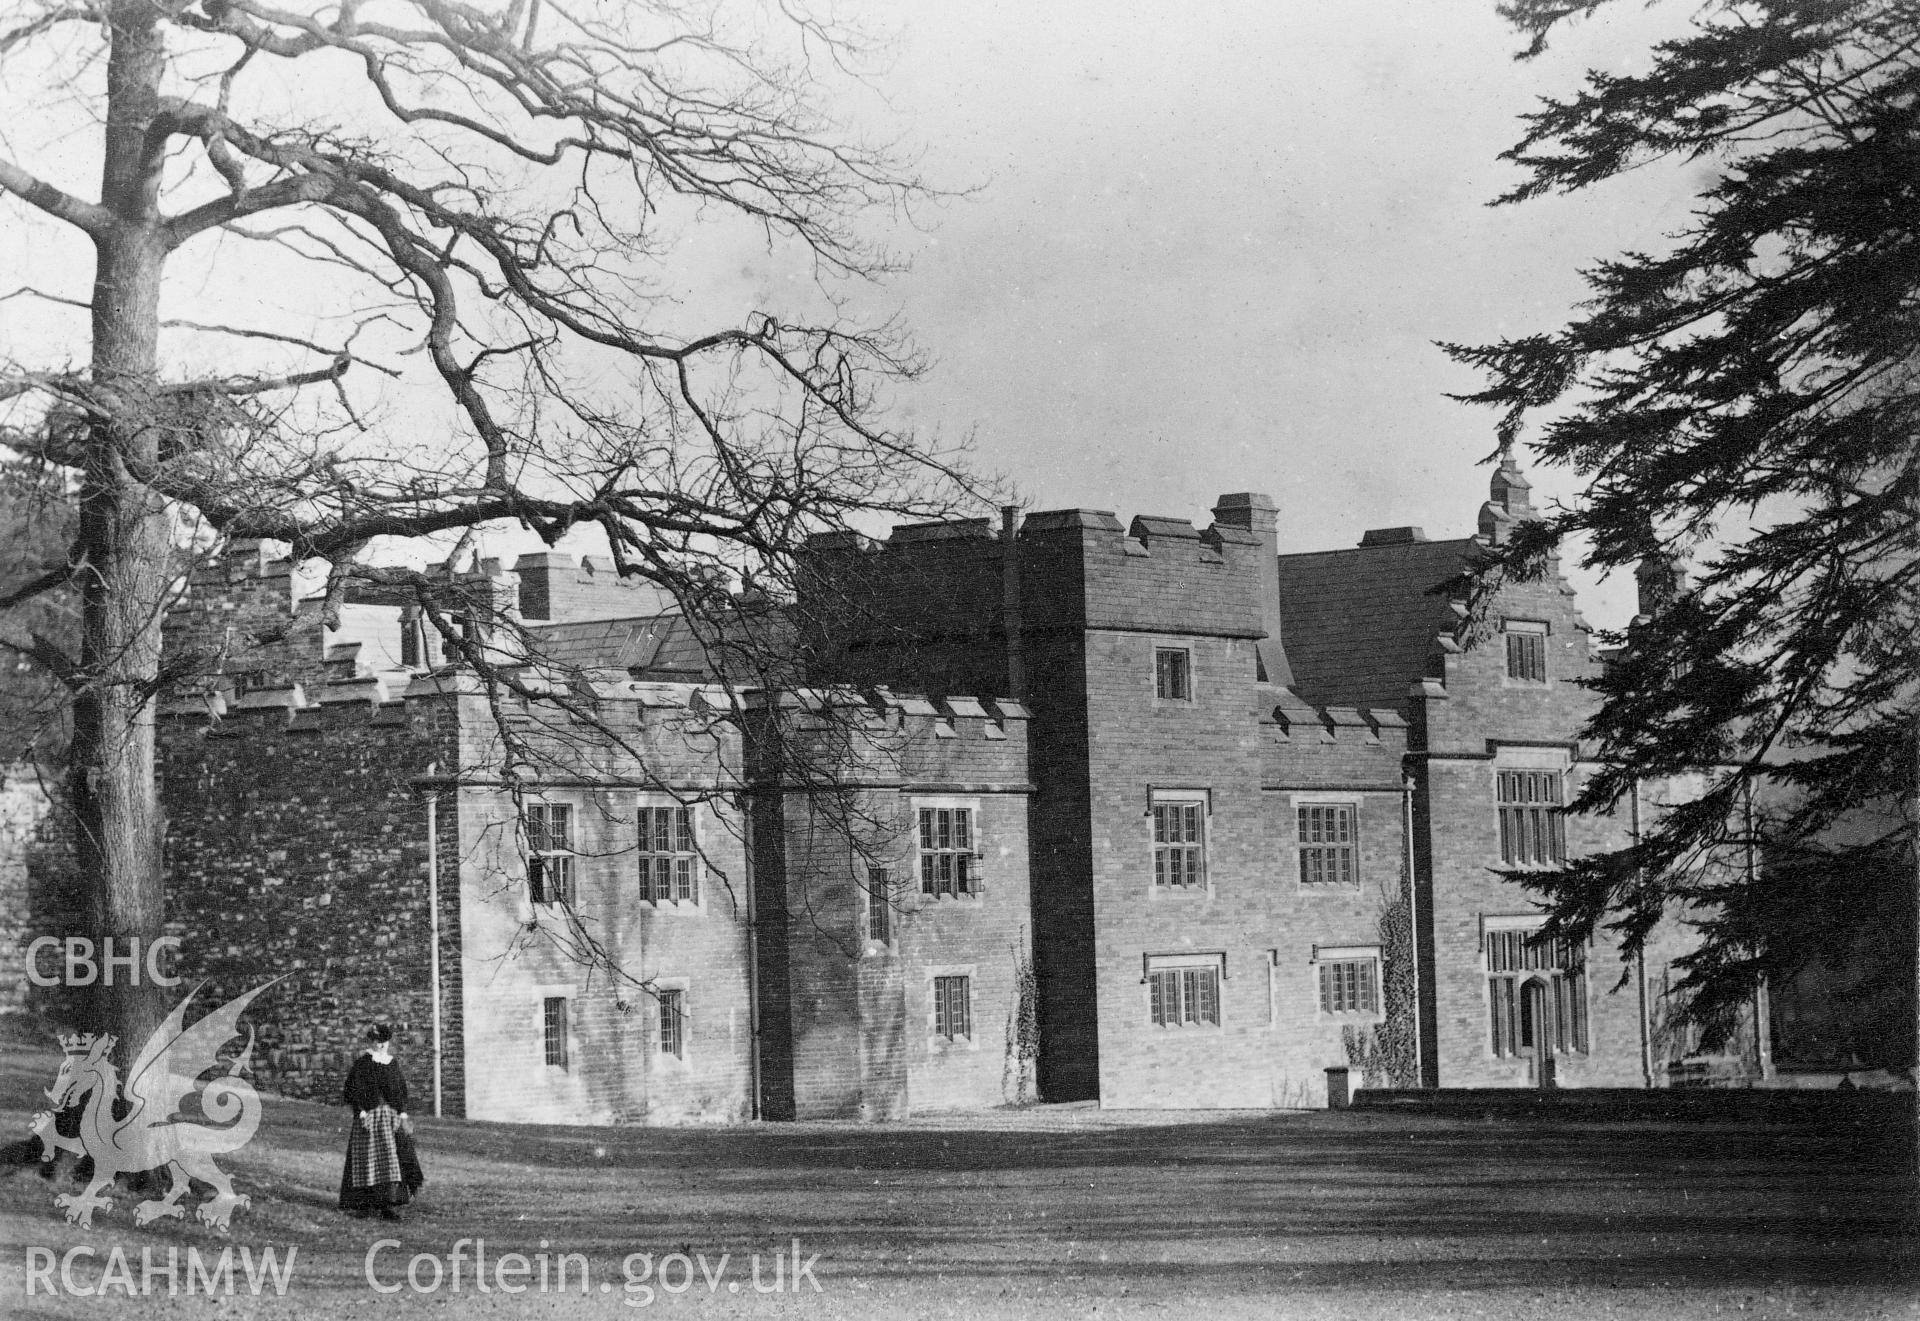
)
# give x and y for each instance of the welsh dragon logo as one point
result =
(151, 1132)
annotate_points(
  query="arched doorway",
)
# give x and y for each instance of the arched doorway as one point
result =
(1536, 1030)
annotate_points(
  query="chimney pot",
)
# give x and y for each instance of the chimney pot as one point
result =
(1252, 510)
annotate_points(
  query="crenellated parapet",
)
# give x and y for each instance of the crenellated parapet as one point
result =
(878, 737)
(1291, 719)
(342, 708)
(1335, 744)
(1079, 567)
(606, 726)
(959, 606)
(241, 623)
(239, 617)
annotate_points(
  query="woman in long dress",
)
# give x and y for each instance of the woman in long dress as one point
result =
(382, 1170)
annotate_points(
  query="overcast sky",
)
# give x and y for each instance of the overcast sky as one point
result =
(1202, 247)
(1213, 245)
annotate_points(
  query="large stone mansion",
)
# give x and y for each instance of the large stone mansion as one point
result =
(1148, 812)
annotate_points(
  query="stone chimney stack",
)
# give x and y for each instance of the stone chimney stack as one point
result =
(1660, 578)
(1509, 501)
(1255, 513)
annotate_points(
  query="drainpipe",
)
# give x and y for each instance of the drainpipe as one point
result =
(1640, 959)
(1762, 997)
(433, 922)
(1413, 920)
(753, 962)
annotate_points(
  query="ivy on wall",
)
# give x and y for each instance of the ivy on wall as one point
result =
(1386, 1053)
(1017, 1084)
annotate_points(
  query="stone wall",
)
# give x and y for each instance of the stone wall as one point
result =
(1470, 723)
(300, 845)
(1273, 1041)
(316, 773)
(238, 619)
(613, 951)
(1077, 605)
(297, 848)
(975, 757)
(615, 1066)
(849, 1020)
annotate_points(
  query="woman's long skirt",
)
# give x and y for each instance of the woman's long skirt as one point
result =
(382, 1168)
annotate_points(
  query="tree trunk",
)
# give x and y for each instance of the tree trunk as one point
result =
(124, 537)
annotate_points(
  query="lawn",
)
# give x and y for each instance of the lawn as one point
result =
(1053, 1211)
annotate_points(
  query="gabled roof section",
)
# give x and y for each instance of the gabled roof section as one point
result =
(1361, 623)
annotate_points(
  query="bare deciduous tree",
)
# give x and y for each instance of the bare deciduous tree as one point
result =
(482, 199)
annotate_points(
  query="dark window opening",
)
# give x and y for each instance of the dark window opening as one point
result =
(1185, 997)
(673, 1023)
(1173, 674)
(549, 853)
(879, 906)
(669, 859)
(946, 851)
(1532, 827)
(1328, 854)
(554, 1016)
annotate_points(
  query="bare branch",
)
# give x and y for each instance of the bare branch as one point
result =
(46, 22)
(28, 291)
(96, 221)
(46, 582)
(496, 189)
(236, 387)
(282, 193)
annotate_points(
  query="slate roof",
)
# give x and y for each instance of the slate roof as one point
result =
(1359, 624)
(652, 643)
(664, 647)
